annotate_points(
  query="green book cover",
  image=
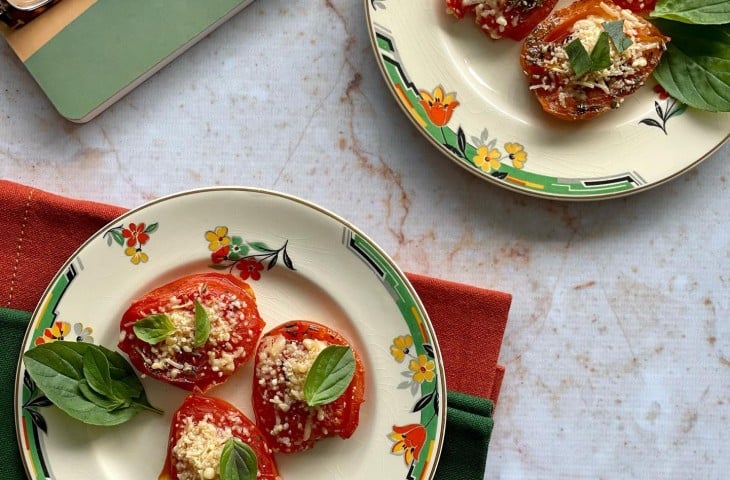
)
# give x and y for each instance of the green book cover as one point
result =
(86, 54)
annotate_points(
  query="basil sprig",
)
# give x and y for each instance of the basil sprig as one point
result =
(329, 376)
(89, 382)
(695, 69)
(154, 328)
(202, 325)
(699, 12)
(238, 461)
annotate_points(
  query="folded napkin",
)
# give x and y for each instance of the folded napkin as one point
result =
(29, 218)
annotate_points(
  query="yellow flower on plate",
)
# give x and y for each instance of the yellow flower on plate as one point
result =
(58, 331)
(487, 159)
(517, 154)
(138, 256)
(422, 369)
(401, 346)
(217, 238)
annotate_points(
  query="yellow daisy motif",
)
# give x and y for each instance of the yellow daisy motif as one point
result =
(58, 331)
(401, 346)
(517, 154)
(138, 256)
(422, 369)
(217, 238)
(487, 159)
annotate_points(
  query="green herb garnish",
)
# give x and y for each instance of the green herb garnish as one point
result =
(154, 328)
(698, 12)
(89, 382)
(329, 376)
(582, 62)
(202, 325)
(615, 30)
(695, 69)
(238, 461)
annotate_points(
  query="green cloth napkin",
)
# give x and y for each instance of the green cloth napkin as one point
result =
(468, 430)
(12, 324)
(468, 423)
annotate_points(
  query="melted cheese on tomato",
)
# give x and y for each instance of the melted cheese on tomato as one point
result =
(284, 365)
(618, 76)
(225, 313)
(197, 452)
(281, 370)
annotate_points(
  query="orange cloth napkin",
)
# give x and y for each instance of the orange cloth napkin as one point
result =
(31, 220)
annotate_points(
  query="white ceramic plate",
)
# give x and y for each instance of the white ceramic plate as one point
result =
(646, 142)
(332, 274)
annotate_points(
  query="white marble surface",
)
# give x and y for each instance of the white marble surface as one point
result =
(618, 345)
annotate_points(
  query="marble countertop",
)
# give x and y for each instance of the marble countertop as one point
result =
(617, 357)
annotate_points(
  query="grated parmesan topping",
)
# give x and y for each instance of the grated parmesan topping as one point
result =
(282, 369)
(618, 77)
(197, 453)
(493, 9)
(174, 355)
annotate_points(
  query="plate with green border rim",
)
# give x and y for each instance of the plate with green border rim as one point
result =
(303, 262)
(498, 131)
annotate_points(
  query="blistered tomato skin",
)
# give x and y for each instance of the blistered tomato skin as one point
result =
(281, 364)
(235, 329)
(550, 77)
(214, 421)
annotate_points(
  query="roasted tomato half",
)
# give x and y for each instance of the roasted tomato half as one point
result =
(460, 8)
(282, 362)
(200, 429)
(637, 6)
(234, 329)
(549, 73)
(503, 18)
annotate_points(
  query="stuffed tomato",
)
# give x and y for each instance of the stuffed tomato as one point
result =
(503, 18)
(284, 362)
(200, 431)
(571, 86)
(193, 332)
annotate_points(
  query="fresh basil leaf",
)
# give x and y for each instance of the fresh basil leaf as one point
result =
(704, 12)
(238, 461)
(615, 30)
(95, 367)
(580, 59)
(601, 54)
(695, 69)
(97, 399)
(202, 325)
(154, 328)
(329, 376)
(58, 371)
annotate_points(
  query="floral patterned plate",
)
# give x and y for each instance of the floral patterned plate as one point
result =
(303, 263)
(467, 95)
